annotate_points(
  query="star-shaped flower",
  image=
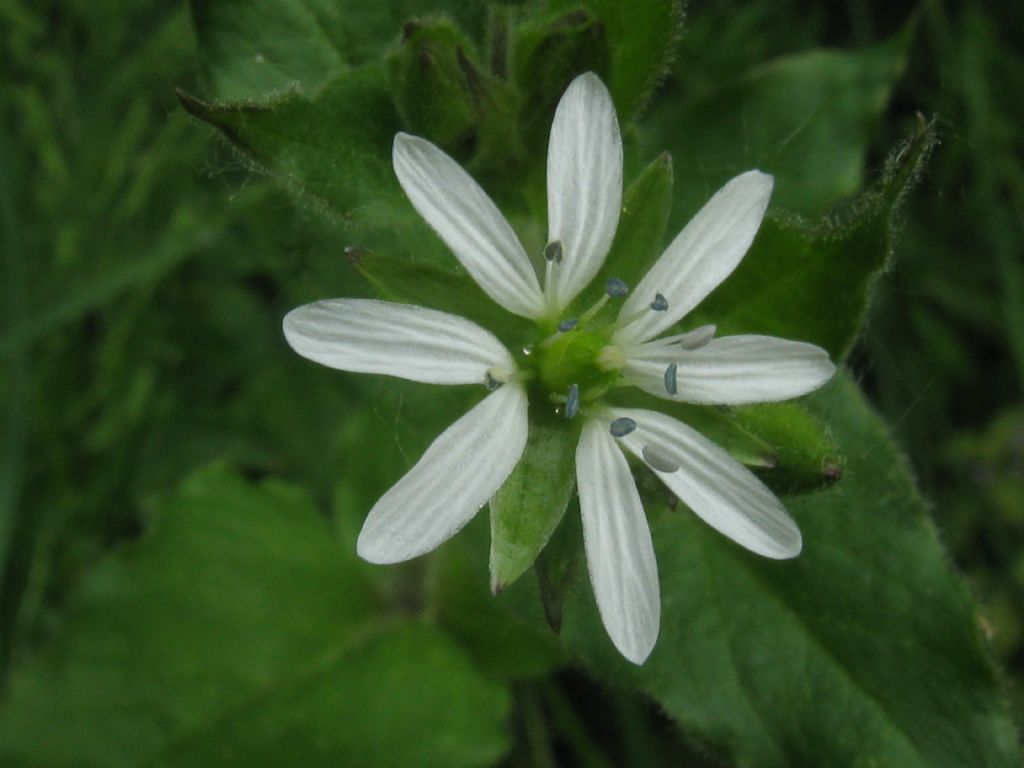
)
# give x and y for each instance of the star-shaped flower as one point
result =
(575, 365)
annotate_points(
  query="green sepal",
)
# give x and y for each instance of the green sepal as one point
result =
(814, 282)
(548, 53)
(640, 235)
(428, 286)
(529, 505)
(335, 148)
(558, 565)
(788, 448)
(803, 456)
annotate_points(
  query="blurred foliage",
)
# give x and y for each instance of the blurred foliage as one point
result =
(145, 270)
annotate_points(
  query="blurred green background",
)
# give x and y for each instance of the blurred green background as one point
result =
(146, 268)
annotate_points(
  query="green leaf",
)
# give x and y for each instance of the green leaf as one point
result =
(530, 504)
(240, 633)
(335, 147)
(814, 282)
(864, 650)
(250, 49)
(15, 387)
(186, 237)
(806, 118)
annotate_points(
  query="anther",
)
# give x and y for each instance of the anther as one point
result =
(567, 325)
(553, 251)
(490, 382)
(622, 426)
(698, 337)
(670, 379)
(660, 304)
(657, 460)
(616, 288)
(572, 401)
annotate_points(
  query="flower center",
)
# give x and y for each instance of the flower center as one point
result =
(573, 357)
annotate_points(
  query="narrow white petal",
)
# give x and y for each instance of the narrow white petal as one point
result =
(719, 489)
(414, 343)
(584, 183)
(469, 223)
(457, 475)
(620, 555)
(702, 256)
(733, 370)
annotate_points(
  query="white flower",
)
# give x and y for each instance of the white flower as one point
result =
(469, 461)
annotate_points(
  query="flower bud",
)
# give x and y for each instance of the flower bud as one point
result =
(548, 55)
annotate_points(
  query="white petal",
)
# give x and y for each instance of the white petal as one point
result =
(702, 256)
(620, 555)
(469, 223)
(733, 370)
(720, 490)
(584, 183)
(457, 475)
(412, 343)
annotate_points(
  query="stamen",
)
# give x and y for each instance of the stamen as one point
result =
(660, 304)
(613, 288)
(698, 337)
(490, 382)
(622, 426)
(585, 317)
(670, 379)
(657, 460)
(616, 288)
(567, 325)
(552, 258)
(572, 401)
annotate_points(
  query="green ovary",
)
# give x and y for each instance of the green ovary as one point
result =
(573, 358)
